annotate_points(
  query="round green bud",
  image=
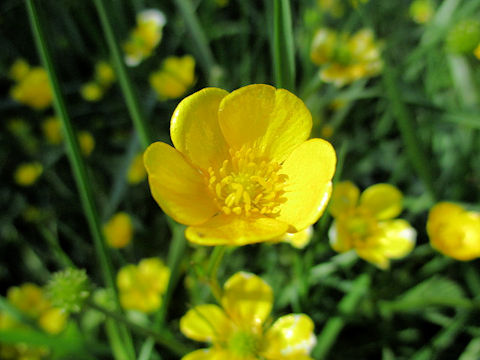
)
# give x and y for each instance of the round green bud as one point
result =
(69, 289)
(464, 37)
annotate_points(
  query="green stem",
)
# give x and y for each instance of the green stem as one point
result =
(76, 161)
(283, 47)
(126, 84)
(334, 325)
(52, 240)
(212, 270)
(405, 124)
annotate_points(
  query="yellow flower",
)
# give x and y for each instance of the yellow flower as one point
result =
(53, 320)
(454, 231)
(27, 174)
(174, 78)
(19, 69)
(136, 171)
(242, 170)
(366, 223)
(145, 37)
(91, 91)
(346, 58)
(52, 130)
(141, 287)
(239, 330)
(86, 142)
(118, 230)
(32, 88)
(104, 74)
(421, 11)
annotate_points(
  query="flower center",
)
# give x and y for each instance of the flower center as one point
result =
(243, 344)
(361, 226)
(248, 184)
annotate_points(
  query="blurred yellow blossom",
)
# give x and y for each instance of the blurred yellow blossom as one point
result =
(52, 130)
(26, 174)
(32, 87)
(333, 7)
(141, 287)
(454, 231)
(175, 76)
(136, 171)
(91, 91)
(241, 328)
(86, 142)
(422, 11)
(145, 37)
(366, 223)
(344, 58)
(242, 170)
(118, 230)
(104, 74)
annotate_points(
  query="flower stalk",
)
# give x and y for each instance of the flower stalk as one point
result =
(283, 48)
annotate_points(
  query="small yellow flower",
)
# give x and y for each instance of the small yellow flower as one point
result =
(141, 287)
(91, 91)
(52, 130)
(136, 171)
(32, 88)
(346, 59)
(86, 142)
(421, 11)
(53, 320)
(239, 330)
(174, 78)
(19, 70)
(104, 74)
(118, 230)
(27, 174)
(454, 231)
(145, 37)
(366, 223)
(242, 170)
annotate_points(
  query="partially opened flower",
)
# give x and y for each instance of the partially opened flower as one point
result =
(242, 170)
(239, 329)
(454, 231)
(366, 223)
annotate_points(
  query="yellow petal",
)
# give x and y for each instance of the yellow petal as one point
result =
(232, 230)
(195, 131)
(299, 239)
(383, 200)
(398, 238)
(339, 237)
(247, 299)
(441, 214)
(207, 354)
(290, 337)
(177, 187)
(207, 323)
(375, 256)
(344, 198)
(310, 169)
(273, 121)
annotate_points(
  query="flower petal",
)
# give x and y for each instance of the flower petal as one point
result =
(339, 237)
(247, 299)
(290, 337)
(399, 238)
(273, 121)
(207, 323)
(177, 187)
(299, 239)
(310, 169)
(441, 214)
(232, 230)
(207, 354)
(195, 131)
(383, 200)
(344, 197)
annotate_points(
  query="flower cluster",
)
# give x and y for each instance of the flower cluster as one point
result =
(240, 329)
(175, 76)
(103, 79)
(344, 58)
(366, 223)
(242, 170)
(141, 286)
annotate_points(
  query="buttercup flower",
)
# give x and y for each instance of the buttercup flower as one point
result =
(86, 142)
(454, 231)
(141, 287)
(52, 130)
(136, 171)
(27, 174)
(145, 37)
(32, 87)
(238, 329)
(175, 77)
(366, 223)
(91, 91)
(118, 230)
(346, 58)
(242, 170)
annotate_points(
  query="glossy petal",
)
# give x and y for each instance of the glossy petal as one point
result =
(383, 200)
(207, 323)
(344, 198)
(232, 230)
(177, 187)
(290, 337)
(273, 121)
(310, 168)
(195, 130)
(398, 239)
(247, 299)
